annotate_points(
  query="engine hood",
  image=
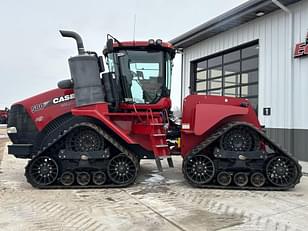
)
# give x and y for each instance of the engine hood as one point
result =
(45, 107)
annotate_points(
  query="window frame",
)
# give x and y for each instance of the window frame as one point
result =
(194, 71)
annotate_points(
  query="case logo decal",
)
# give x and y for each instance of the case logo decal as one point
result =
(64, 98)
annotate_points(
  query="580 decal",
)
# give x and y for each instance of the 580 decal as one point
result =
(40, 106)
(57, 100)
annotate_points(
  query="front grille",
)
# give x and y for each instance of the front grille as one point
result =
(26, 130)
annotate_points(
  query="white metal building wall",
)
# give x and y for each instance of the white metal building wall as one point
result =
(285, 93)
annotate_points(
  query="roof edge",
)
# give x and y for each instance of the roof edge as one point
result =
(233, 14)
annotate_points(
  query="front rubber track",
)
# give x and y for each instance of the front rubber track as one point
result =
(57, 185)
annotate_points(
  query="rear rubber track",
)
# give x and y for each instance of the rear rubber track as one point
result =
(217, 135)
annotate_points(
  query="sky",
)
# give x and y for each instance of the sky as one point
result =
(34, 55)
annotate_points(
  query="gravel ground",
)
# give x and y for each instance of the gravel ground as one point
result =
(158, 201)
(3, 140)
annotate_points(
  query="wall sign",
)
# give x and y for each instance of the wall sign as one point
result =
(301, 49)
(267, 111)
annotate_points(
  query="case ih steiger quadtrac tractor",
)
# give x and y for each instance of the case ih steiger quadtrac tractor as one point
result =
(93, 130)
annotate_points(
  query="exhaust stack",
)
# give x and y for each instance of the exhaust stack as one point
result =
(78, 39)
(85, 74)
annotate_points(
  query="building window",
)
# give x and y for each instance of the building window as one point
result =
(231, 73)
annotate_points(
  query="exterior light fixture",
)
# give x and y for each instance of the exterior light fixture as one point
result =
(151, 41)
(260, 13)
(159, 42)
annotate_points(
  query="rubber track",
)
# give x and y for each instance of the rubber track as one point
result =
(106, 136)
(214, 137)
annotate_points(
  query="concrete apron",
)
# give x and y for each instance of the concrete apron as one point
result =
(2, 148)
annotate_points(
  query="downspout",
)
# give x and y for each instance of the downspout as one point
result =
(291, 29)
(182, 80)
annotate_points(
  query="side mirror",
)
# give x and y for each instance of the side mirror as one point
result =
(66, 84)
(109, 45)
(101, 64)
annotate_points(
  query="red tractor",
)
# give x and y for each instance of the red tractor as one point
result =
(93, 130)
(3, 116)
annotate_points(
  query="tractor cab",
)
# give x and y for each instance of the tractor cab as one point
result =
(143, 68)
(139, 74)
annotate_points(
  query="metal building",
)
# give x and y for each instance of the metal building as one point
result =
(257, 51)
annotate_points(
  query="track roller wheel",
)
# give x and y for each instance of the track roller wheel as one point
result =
(122, 170)
(42, 171)
(281, 171)
(199, 169)
(240, 139)
(99, 178)
(257, 179)
(83, 178)
(224, 178)
(67, 178)
(240, 179)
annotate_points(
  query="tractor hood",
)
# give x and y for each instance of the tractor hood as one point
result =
(46, 106)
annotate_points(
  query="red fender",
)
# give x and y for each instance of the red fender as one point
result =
(205, 120)
(202, 115)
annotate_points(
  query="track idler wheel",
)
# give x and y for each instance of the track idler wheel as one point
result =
(240, 179)
(199, 169)
(122, 170)
(67, 178)
(224, 178)
(83, 178)
(257, 179)
(42, 171)
(99, 178)
(282, 171)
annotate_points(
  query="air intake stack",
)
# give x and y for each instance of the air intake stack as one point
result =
(85, 71)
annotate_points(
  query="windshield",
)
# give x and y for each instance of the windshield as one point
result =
(143, 74)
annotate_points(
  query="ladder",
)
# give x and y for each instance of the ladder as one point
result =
(158, 138)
